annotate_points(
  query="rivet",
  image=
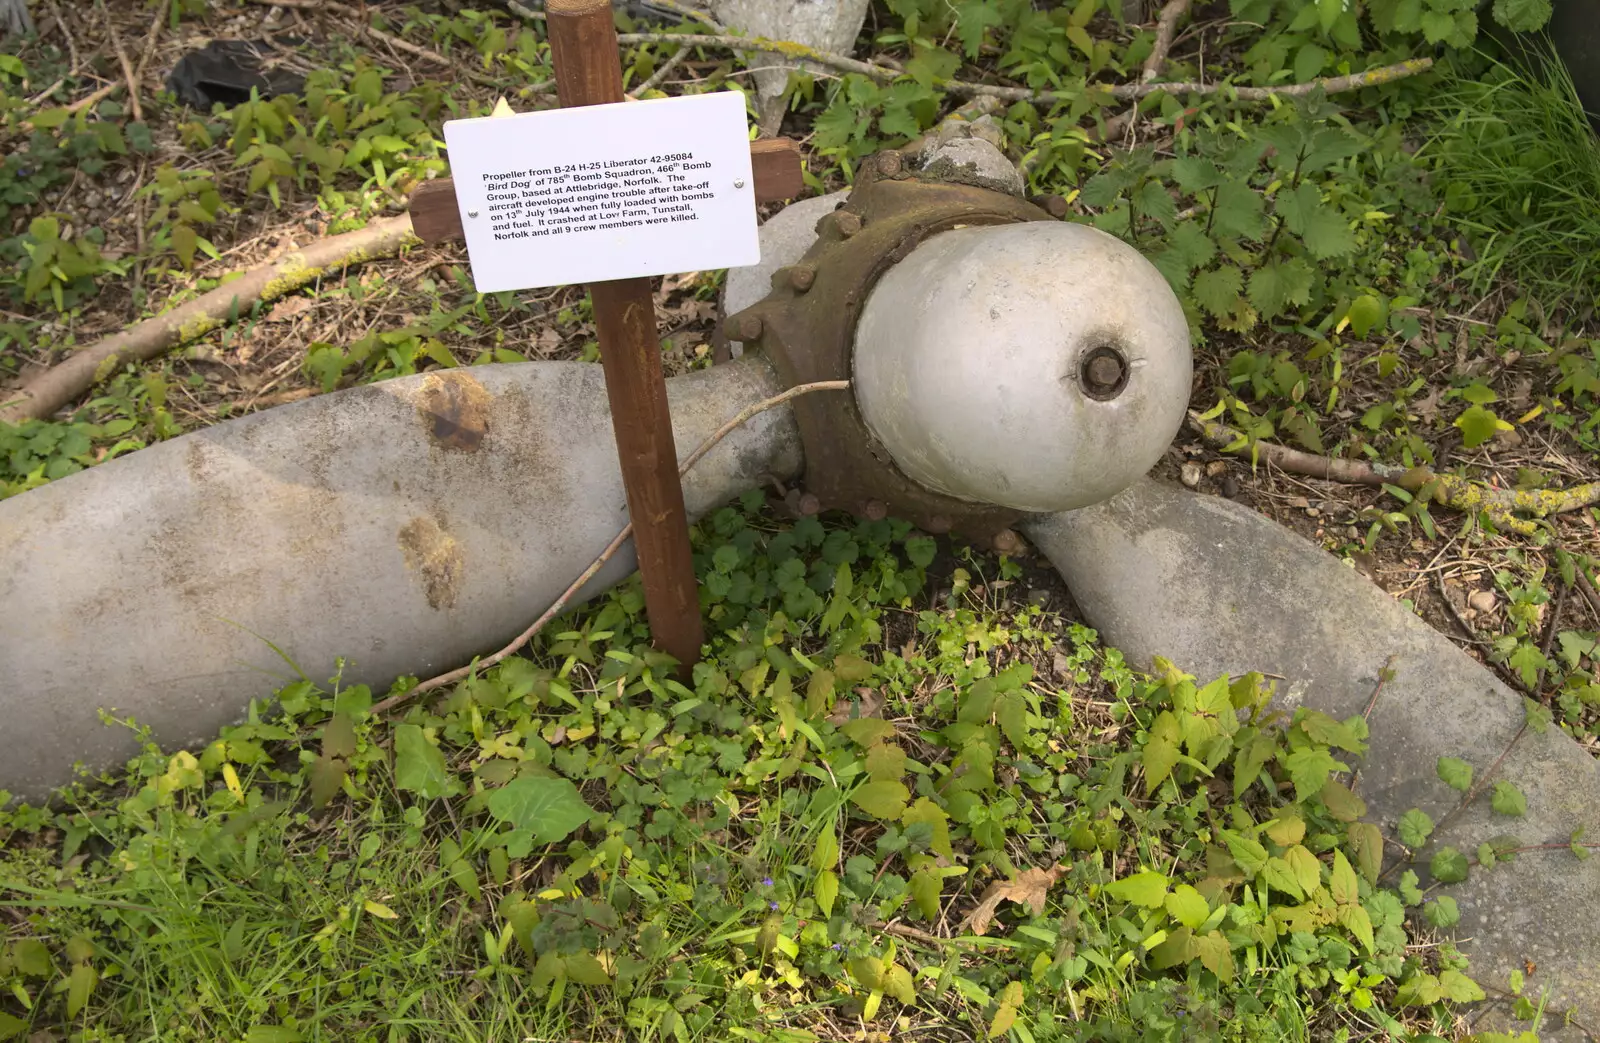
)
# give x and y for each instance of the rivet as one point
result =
(1006, 541)
(739, 183)
(1104, 373)
(801, 276)
(472, 213)
(847, 223)
(875, 510)
(747, 328)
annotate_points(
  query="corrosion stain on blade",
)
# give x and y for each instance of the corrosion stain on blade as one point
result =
(455, 410)
(435, 557)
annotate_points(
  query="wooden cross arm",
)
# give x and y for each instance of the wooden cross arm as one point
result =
(774, 164)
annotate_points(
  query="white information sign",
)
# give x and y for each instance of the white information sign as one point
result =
(605, 191)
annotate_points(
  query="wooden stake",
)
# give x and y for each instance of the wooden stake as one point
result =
(588, 68)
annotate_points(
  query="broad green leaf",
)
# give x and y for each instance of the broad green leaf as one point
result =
(1365, 312)
(1238, 211)
(1276, 285)
(1144, 888)
(1320, 226)
(1307, 870)
(549, 807)
(1161, 751)
(1355, 920)
(1005, 1013)
(1522, 16)
(1249, 761)
(1448, 866)
(1186, 906)
(586, 969)
(886, 761)
(31, 958)
(1442, 912)
(926, 891)
(826, 890)
(1286, 829)
(1328, 12)
(867, 731)
(419, 765)
(1366, 841)
(1215, 954)
(1508, 800)
(1342, 882)
(1478, 425)
(1341, 803)
(273, 1034)
(897, 983)
(1311, 769)
(884, 799)
(11, 1027)
(80, 984)
(1280, 875)
(1414, 828)
(1246, 851)
(1459, 988)
(925, 810)
(1410, 893)
(1217, 290)
(1309, 62)
(1455, 773)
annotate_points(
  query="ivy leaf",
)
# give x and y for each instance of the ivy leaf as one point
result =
(1448, 866)
(419, 765)
(1410, 893)
(1415, 827)
(1522, 16)
(1145, 888)
(1217, 290)
(1508, 800)
(548, 807)
(885, 799)
(1478, 425)
(1161, 751)
(1455, 773)
(1442, 912)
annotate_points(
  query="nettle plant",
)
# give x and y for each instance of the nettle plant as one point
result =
(1306, 30)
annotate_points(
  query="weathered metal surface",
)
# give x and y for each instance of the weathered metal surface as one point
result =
(1040, 366)
(407, 525)
(810, 334)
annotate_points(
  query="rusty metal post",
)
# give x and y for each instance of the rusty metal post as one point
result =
(588, 68)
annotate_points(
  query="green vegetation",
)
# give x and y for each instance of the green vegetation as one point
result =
(576, 841)
(898, 796)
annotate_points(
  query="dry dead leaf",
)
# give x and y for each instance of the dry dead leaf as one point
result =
(288, 308)
(868, 703)
(1028, 888)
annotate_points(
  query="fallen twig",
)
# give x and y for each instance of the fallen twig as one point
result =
(1166, 29)
(1502, 506)
(60, 384)
(662, 73)
(128, 74)
(787, 48)
(560, 604)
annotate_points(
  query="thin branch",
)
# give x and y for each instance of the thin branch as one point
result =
(1166, 29)
(60, 384)
(662, 73)
(1502, 506)
(127, 69)
(560, 604)
(761, 44)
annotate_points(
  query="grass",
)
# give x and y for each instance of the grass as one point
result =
(1522, 177)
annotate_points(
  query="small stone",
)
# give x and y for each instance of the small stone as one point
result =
(1217, 468)
(1312, 512)
(1299, 502)
(1192, 473)
(1230, 487)
(1482, 600)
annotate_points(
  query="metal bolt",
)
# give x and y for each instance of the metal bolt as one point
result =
(1105, 373)
(889, 163)
(801, 276)
(738, 183)
(748, 327)
(809, 504)
(472, 213)
(1055, 206)
(1006, 541)
(875, 510)
(939, 524)
(847, 223)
